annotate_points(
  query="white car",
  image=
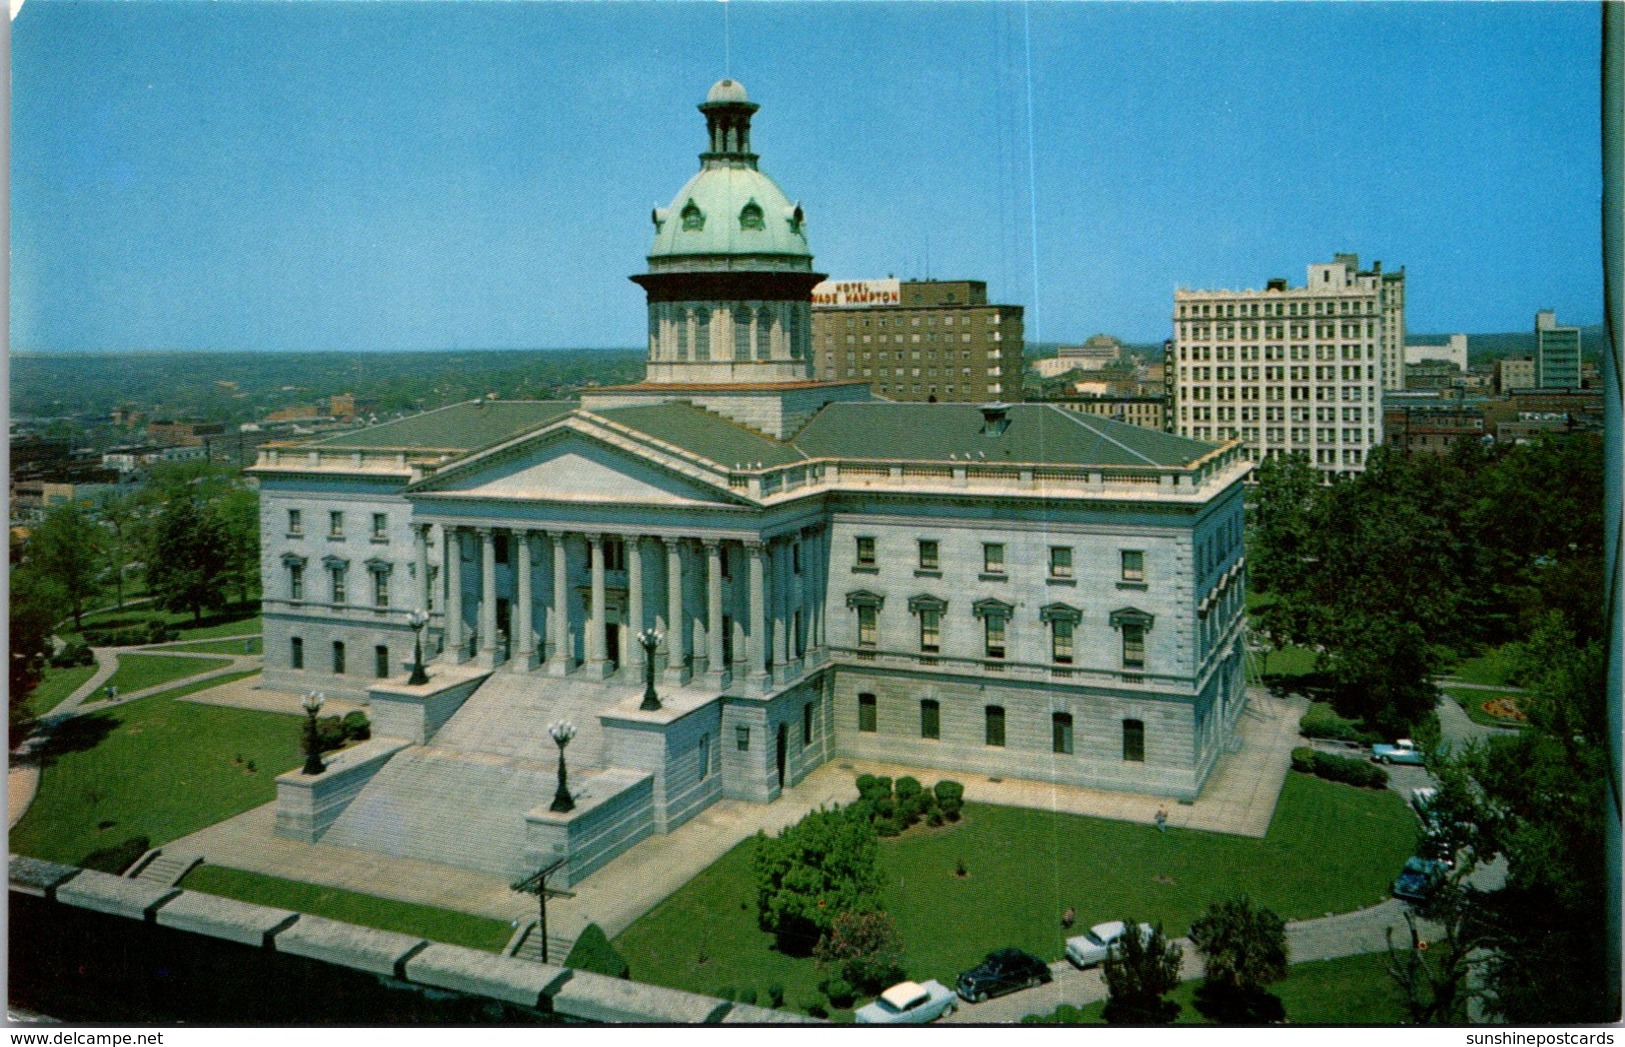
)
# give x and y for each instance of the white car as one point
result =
(1091, 947)
(908, 1003)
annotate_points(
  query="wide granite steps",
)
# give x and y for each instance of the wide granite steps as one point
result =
(510, 713)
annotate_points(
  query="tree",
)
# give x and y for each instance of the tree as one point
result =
(1434, 975)
(187, 562)
(826, 864)
(1140, 970)
(69, 548)
(238, 512)
(37, 604)
(121, 514)
(1243, 949)
(865, 947)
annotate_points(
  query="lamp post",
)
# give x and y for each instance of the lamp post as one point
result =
(417, 620)
(312, 738)
(650, 639)
(562, 731)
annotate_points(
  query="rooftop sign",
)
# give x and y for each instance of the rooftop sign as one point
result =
(857, 294)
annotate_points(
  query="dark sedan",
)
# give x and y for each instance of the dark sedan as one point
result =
(1419, 879)
(1003, 971)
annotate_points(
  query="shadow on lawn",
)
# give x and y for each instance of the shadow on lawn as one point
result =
(1315, 686)
(72, 735)
(235, 612)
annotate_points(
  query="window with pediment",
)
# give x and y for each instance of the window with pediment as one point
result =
(693, 217)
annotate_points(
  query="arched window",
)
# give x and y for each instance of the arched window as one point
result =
(764, 333)
(693, 217)
(741, 333)
(702, 334)
(682, 334)
(751, 217)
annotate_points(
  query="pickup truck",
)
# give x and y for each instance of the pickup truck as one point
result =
(1402, 751)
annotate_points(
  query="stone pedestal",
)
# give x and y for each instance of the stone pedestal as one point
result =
(614, 810)
(308, 804)
(399, 710)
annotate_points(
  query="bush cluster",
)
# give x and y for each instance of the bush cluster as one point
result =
(1348, 769)
(894, 807)
(130, 635)
(335, 732)
(73, 654)
(593, 952)
(1322, 721)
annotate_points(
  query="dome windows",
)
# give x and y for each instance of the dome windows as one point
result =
(750, 217)
(693, 217)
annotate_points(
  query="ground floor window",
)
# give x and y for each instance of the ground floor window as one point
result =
(1134, 741)
(338, 656)
(742, 738)
(807, 724)
(995, 725)
(296, 652)
(930, 719)
(866, 713)
(705, 756)
(1061, 727)
(380, 661)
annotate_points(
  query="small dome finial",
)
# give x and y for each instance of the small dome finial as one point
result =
(727, 91)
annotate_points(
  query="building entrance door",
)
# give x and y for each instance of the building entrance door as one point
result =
(779, 754)
(504, 627)
(612, 644)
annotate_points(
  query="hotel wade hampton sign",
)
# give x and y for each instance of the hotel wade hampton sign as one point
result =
(853, 294)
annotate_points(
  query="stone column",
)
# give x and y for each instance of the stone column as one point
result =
(454, 595)
(597, 663)
(820, 589)
(677, 670)
(488, 599)
(781, 609)
(420, 537)
(632, 650)
(525, 657)
(560, 648)
(715, 670)
(758, 616)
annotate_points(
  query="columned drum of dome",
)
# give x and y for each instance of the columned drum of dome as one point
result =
(730, 272)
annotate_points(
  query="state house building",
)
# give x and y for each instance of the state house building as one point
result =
(973, 589)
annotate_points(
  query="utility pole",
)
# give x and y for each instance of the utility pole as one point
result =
(536, 884)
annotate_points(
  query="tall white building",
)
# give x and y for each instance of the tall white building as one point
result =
(1290, 369)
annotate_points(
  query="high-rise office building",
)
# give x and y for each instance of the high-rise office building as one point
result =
(1290, 369)
(1557, 353)
(933, 340)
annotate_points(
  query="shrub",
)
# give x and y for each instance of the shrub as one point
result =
(158, 632)
(117, 858)
(839, 991)
(907, 787)
(815, 1009)
(1348, 769)
(356, 726)
(863, 950)
(125, 637)
(76, 652)
(933, 818)
(775, 995)
(886, 827)
(592, 952)
(1322, 721)
(868, 786)
(330, 732)
(1303, 759)
(825, 864)
(950, 799)
(747, 996)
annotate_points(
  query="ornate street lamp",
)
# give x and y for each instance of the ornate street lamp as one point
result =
(417, 620)
(312, 738)
(562, 731)
(650, 639)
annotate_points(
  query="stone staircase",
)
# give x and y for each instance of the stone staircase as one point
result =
(529, 946)
(510, 713)
(163, 870)
(455, 807)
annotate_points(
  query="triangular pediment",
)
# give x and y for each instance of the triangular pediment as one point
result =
(570, 463)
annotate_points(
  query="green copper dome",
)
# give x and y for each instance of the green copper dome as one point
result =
(730, 207)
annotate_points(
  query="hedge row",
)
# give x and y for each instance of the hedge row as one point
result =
(1322, 721)
(894, 807)
(1334, 768)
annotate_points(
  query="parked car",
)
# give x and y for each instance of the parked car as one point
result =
(1402, 751)
(908, 1003)
(1005, 970)
(1091, 947)
(1419, 879)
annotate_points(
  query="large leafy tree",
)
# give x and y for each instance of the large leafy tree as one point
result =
(1140, 971)
(186, 565)
(824, 865)
(865, 947)
(238, 512)
(70, 549)
(1243, 950)
(37, 604)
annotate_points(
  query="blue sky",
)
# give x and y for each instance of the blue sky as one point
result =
(479, 175)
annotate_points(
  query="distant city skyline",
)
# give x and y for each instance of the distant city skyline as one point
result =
(450, 176)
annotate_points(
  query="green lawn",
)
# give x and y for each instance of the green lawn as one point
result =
(56, 685)
(1353, 990)
(235, 620)
(155, 767)
(1490, 668)
(441, 925)
(1472, 700)
(1289, 661)
(250, 645)
(137, 672)
(1330, 848)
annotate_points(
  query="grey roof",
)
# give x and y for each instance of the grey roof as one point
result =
(1037, 433)
(460, 427)
(706, 434)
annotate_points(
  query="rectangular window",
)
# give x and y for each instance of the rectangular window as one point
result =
(380, 588)
(338, 656)
(1061, 729)
(995, 725)
(296, 653)
(930, 719)
(930, 630)
(866, 626)
(1061, 641)
(928, 555)
(1134, 741)
(807, 724)
(337, 575)
(335, 524)
(1133, 645)
(296, 522)
(742, 738)
(296, 581)
(993, 558)
(1133, 565)
(380, 661)
(994, 627)
(866, 552)
(867, 718)
(705, 756)
(380, 527)
(1060, 561)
